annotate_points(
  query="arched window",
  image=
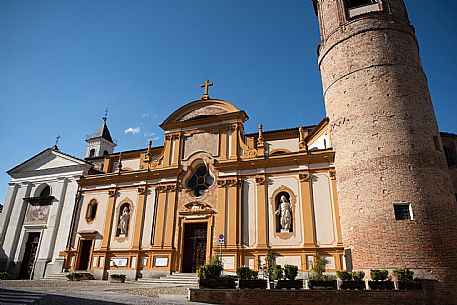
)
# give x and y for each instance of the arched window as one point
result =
(46, 191)
(105, 152)
(91, 210)
(92, 153)
(200, 180)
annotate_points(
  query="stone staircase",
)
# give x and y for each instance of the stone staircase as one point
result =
(176, 278)
(63, 276)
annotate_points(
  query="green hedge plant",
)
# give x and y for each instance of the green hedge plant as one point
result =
(358, 275)
(244, 273)
(344, 275)
(290, 272)
(403, 274)
(3, 275)
(379, 274)
(73, 276)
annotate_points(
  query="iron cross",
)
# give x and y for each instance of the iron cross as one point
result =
(57, 140)
(206, 85)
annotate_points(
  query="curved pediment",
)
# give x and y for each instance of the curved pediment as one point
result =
(199, 110)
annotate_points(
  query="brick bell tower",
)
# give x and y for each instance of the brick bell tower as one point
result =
(397, 202)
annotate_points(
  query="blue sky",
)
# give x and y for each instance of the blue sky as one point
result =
(63, 62)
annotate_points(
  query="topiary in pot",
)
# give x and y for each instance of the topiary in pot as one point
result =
(118, 278)
(276, 273)
(317, 280)
(244, 273)
(344, 275)
(358, 275)
(379, 280)
(290, 273)
(405, 279)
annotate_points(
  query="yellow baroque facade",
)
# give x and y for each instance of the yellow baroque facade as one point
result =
(210, 190)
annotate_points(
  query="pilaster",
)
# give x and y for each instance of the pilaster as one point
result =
(307, 209)
(142, 194)
(112, 194)
(262, 217)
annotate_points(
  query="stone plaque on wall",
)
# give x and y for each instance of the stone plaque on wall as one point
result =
(37, 214)
(207, 142)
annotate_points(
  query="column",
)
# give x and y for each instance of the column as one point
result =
(170, 216)
(168, 150)
(112, 194)
(176, 148)
(336, 207)
(142, 193)
(161, 213)
(48, 238)
(232, 210)
(262, 217)
(234, 141)
(220, 208)
(223, 143)
(6, 212)
(307, 209)
(13, 231)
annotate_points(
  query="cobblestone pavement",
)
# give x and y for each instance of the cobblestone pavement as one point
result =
(50, 292)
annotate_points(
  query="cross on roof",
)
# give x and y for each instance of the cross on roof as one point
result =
(57, 140)
(206, 85)
(106, 115)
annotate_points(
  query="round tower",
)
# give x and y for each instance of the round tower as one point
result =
(397, 202)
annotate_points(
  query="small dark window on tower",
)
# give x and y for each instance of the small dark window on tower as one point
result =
(403, 211)
(357, 3)
(436, 141)
(450, 152)
(105, 152)
(92, 153)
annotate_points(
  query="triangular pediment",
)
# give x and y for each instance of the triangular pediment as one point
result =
(201, 109)
(48, 160)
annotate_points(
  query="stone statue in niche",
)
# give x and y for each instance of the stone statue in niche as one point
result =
(284, 212)
(124, 218)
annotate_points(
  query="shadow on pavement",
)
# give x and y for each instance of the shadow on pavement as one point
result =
(16, 297)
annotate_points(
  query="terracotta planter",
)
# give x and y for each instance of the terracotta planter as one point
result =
(352, 285)
(381, 285)
(252, 284)
(317, 285)
(414, 285)
(216, 284)
(289, 284)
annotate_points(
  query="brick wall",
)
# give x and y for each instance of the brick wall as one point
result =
(383, 128)
(311, 297)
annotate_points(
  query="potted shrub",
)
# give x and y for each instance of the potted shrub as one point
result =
(3, 275)
(117, 278)
(351, 281)
(405, 280)
(209, 276)
(379, 280)
(290, 273)
(318, 280)
(248, 279)
(73, 276)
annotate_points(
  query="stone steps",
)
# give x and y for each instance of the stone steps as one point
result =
(174, 279)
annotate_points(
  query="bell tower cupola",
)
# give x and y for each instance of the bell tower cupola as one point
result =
(100, 143)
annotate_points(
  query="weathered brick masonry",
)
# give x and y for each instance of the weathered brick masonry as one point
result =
(384, 132)
(310, 297)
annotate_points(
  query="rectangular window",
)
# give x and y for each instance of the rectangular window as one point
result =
(403, 211)
(358, 3)
(361, 7)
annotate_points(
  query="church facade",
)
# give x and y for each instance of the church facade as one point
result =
(372, 186)
(210, 190)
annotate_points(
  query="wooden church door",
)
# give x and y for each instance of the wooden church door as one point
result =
(194, 253)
